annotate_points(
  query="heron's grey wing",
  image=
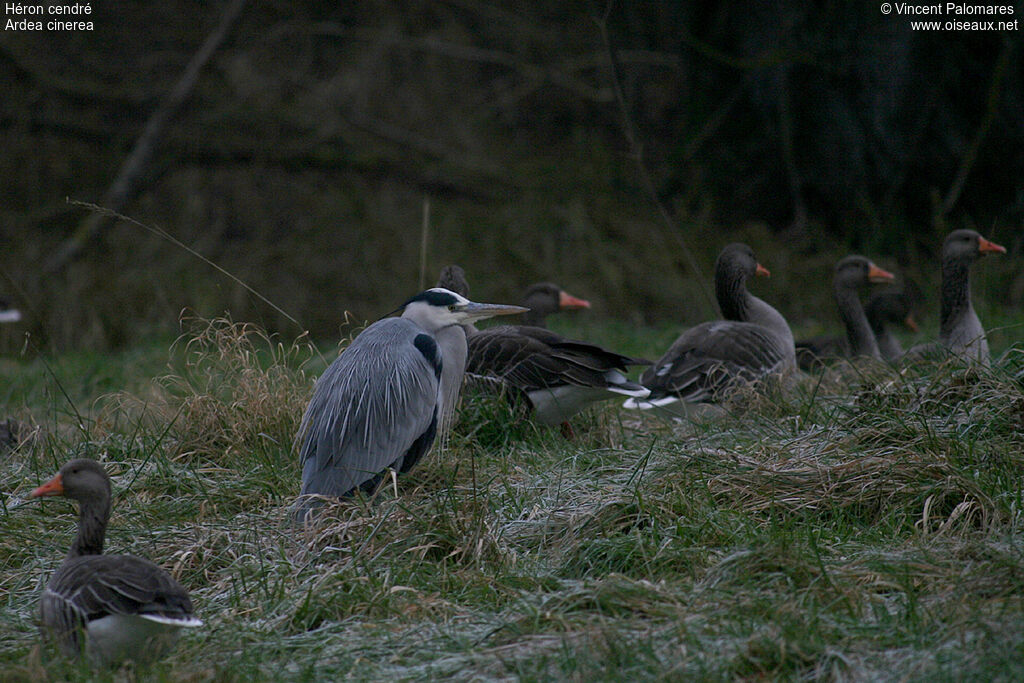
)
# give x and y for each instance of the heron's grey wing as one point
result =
(95, 586)
(370, 407)
(709, 357)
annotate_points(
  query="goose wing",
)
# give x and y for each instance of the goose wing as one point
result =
(95, 586)
(533, 358)
(707, 358)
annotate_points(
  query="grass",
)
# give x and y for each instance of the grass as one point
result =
(864, 524)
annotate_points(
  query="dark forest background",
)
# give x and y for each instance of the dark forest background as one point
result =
(611, 148)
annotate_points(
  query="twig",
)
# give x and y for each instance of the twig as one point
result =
(424, 238)
(160, 232)
(629, 131)
(994, 90)
(135, 165)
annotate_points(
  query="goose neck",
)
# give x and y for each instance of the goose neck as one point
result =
(858, 331)
(956, 294)
(733, 297)
(92, 527)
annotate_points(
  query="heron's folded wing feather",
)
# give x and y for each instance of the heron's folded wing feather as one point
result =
(368, 408)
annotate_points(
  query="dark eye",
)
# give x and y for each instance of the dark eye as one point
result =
(452, 308)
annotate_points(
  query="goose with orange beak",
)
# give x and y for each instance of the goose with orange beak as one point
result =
(107, 607)
(710, 359)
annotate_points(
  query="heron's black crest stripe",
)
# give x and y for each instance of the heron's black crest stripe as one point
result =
(434, 298)
(428, 347)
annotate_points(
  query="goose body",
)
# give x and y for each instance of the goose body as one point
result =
(708, 359)
(556, 375)
(559, 376)
(107, 607)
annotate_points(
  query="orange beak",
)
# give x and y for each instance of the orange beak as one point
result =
(762, 271)
(876, 274)
(567, 300)
(910, 322)
(54, 487)
(986, 247)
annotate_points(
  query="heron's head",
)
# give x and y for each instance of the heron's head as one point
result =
(438, 308)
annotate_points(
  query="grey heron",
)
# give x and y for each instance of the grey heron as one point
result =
(378, 405)
(960, 330)
(557, 376)
(108, 607)
(754, 340)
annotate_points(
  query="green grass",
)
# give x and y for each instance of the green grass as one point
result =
(862, 525)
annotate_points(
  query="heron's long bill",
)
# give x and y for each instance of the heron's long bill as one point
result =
(474, 311)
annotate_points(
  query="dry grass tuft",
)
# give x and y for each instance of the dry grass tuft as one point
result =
(870, 486)
(241, 391)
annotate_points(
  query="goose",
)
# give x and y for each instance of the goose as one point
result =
(753, 341)
(852, 274)
(883, 310)
(8, 314)
(109, 607)
(557, 376)
(541, 300)
(960, 330)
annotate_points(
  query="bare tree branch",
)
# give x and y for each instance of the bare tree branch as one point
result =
(670, 229)
(995, 89)
(135, 165)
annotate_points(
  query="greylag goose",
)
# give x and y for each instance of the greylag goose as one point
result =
(960, 330)
(557, 376)
(377, 405)
(8, 314)
(853, 273)
(545, 298)
(109, 607)
(883, 310)
(754, 340)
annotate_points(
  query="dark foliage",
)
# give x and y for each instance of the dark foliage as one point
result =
(301, 160)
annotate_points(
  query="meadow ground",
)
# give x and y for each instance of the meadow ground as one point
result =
(865, 525)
